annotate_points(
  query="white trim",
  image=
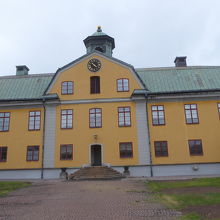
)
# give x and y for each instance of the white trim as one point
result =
(20, 105)
(183, 97)
(87, 57)
(88, 101)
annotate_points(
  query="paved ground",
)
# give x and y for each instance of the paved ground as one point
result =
(125, 199)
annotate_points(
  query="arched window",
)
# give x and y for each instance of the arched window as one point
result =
(94, 84)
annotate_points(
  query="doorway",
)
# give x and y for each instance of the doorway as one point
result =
(96, 155)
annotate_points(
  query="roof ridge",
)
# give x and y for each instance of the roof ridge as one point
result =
(27, 76)
(176, 68)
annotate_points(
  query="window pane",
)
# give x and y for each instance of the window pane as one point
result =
(38, 113)
(92, 110)
(32, 113)
(160, 107)
(187, 106)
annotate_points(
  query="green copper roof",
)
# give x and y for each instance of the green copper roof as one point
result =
(180, 79)
(24, 87)
(99, 32)
(156, 80)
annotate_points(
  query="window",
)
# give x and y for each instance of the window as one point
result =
(67, 119)
(161, 149)
(158, 116)
(95, 118)
(124, 116)
(219, 109)
(66, 152)
(4, 121)
(191, 114)
(122, 85)
(126, 150)
(3, 154)
(34, 120)
(94, 84)
(32, 153)
(195, 147)
(67, 88)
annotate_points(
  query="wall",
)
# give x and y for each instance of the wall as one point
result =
(177, 132)
(19, 137)
(109, 135)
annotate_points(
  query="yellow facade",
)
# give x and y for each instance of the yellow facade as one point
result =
(109, 73)
(82, 137)
(18, 138)
(177, 133)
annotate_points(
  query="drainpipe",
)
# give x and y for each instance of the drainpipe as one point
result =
(43, 141)
(148, 131)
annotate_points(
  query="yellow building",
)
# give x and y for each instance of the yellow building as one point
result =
(101, 111)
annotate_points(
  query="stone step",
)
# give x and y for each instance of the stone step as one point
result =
(95, 173)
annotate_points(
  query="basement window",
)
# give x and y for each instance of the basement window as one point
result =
(195, 147)
(3, 154)
(126, 150)
(32, 153)
(66, 152)
(161, 149)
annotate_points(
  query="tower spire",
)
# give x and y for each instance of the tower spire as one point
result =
(101, 42)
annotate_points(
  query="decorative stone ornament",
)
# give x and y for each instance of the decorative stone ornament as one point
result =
(94, 65)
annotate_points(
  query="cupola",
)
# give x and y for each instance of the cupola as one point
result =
(101, 42)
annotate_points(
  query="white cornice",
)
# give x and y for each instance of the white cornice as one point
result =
(90, 101)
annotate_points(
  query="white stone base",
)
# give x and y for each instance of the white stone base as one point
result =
(33, 174)
(20, 174)
(187, 169)
(135, 171)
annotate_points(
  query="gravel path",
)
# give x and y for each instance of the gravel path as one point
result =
(125, 199)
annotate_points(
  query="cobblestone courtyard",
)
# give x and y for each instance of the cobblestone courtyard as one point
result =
(94, 200)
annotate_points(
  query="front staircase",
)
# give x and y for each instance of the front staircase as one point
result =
(95, 173)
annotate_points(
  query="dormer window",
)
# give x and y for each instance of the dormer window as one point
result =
(67, 88)
(122, 85)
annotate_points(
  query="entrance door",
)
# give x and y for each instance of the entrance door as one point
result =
(96, 155)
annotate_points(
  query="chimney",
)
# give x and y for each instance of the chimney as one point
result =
(22, 70)
(180, 62)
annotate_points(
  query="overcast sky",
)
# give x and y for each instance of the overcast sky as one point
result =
(47, 34)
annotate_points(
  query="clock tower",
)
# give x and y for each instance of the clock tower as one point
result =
(101, 42)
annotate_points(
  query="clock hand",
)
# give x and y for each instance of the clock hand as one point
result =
(94, 65)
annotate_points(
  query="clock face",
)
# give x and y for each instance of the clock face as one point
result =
(94, 65)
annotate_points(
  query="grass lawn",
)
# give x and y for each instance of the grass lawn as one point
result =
(196, 198)
(8, 186)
